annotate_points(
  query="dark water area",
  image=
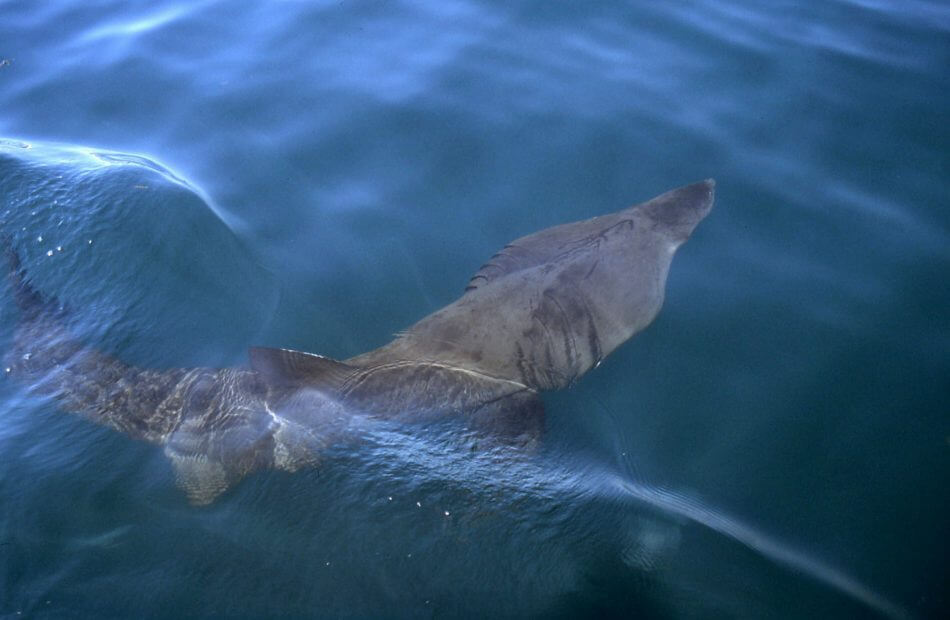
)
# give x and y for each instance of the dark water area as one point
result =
(194, 179)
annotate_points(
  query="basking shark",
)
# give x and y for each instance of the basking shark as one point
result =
(538, 315)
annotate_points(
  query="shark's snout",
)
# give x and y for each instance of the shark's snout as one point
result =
(677, 212)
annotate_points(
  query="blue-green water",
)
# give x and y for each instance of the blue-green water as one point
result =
(206, 176)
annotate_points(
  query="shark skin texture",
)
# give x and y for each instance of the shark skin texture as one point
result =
(537, 316)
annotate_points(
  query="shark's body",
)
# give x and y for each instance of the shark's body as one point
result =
(541, 313)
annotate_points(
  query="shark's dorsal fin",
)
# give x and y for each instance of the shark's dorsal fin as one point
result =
(285, 367)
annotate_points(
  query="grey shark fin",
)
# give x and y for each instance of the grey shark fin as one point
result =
(285, 367)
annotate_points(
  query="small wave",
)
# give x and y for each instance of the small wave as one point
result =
(88, 157)
(93, 159)
(138, 24)
(14, 144)
(111, 157)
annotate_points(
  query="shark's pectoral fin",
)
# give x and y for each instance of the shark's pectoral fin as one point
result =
(225, 458)
(213, 451)
(202, 479)
(285, 367)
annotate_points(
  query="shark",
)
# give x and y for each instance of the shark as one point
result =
(542, 312)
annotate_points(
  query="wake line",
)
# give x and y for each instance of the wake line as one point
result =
(755, 540)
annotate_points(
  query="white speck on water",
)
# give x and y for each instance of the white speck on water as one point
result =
(419, 504)
(59, 248)
(390, 498)
(328, 563)
(446, 513)
(40, 238)
(8, 369)
(90, 242)
(27, 356)
(49, 252)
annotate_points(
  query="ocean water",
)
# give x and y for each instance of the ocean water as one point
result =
(191, 179)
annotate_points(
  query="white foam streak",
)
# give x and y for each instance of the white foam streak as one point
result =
(757, 541)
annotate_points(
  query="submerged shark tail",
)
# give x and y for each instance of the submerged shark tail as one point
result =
(30, 302)
(47, 357)
(213, 423)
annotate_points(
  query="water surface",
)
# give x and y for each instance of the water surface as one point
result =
(192, 179)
